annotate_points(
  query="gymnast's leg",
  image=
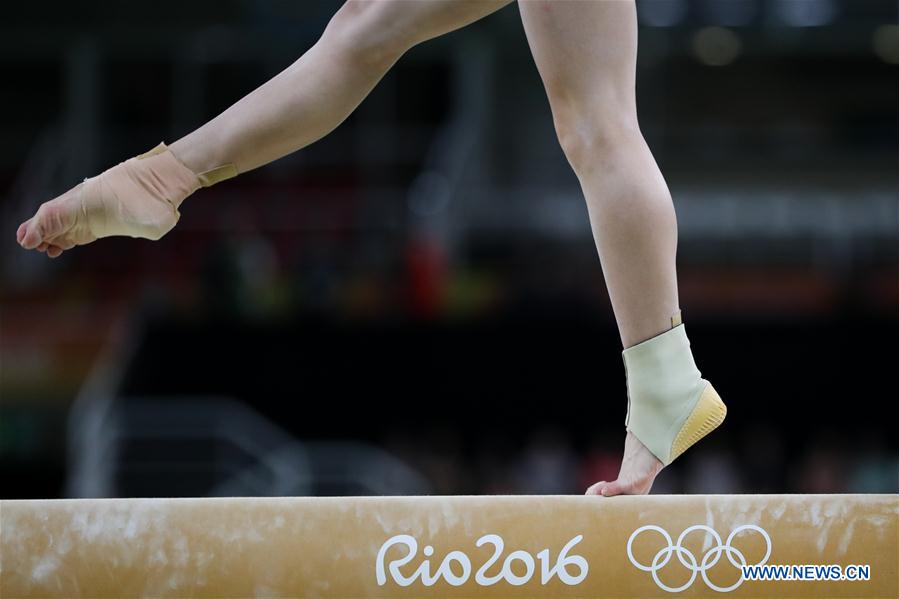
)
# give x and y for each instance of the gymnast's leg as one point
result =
(141, 197)
(586, 55)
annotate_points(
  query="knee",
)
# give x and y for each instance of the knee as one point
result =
(595, 137)
(591, 122)
(366, 31)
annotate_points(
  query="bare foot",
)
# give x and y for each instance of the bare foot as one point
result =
(58, 225)
(639, 469)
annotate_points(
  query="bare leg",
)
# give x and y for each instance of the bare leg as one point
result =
(317, 92)
(586, 54)
(295, 108)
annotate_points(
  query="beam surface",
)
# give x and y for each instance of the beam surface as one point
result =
(548, 546)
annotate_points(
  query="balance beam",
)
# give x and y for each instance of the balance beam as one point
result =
(548, 546)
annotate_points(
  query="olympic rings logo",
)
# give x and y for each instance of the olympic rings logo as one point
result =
(686, 557)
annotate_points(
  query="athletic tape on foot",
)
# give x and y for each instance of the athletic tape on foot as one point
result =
(206, 178)
(670, 405)
(140, 197)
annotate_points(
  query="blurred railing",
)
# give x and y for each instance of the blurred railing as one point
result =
(208, 446)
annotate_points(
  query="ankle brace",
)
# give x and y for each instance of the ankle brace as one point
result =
(670, 405)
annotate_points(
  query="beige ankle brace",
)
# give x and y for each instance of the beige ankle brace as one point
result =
(670, 405)
(140, 197)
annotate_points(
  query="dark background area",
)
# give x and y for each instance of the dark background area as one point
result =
(414, 303)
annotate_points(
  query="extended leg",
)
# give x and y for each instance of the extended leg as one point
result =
(586, 54)
(318, 91)
(303, 103)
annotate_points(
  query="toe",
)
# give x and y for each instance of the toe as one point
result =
(52, 219)
(616, 487)
(32, 237)
(20, 232)
(596, 488)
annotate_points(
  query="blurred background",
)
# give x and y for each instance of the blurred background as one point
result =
(414, 304)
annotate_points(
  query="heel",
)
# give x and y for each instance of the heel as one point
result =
(708, 415)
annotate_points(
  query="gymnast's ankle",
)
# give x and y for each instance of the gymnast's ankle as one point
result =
(141, 196)
(670, 405)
